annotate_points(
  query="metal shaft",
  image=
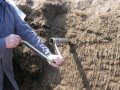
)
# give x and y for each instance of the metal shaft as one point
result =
(57, 50)
(32, 47)
(58, 40)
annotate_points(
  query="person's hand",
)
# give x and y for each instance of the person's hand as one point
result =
(55, 60)
(12, 41)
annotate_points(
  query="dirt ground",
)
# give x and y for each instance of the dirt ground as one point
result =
(92, 59)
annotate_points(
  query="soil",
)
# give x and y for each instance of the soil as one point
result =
(92, 60)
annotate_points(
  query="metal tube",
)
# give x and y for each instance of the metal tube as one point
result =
(58, 40)
(57, 50)
(32, 47)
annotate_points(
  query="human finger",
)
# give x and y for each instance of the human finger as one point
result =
(18, 37)
(53, 64)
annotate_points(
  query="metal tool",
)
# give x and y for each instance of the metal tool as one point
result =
(33, 48)
(57, 41)
(54, 41)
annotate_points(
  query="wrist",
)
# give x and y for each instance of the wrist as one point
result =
(49, 54)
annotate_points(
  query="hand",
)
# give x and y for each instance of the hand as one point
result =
(56, 60)
(12, 41)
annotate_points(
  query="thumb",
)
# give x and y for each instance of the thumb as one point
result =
(53, 64)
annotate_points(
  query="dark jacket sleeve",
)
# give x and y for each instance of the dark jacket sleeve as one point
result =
(27, 34)
(2, 46)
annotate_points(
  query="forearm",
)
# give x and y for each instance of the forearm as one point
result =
(27, 34)
(36, 43)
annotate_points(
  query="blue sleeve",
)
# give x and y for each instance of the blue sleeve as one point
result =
(27, 34)
(2, 46)
(2, 43)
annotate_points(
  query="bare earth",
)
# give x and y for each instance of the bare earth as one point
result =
(92, 59)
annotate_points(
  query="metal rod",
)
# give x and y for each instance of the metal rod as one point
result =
(58, 40)
(32, 47)
(57, 50)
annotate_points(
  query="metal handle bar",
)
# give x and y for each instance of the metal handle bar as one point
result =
(32, 47)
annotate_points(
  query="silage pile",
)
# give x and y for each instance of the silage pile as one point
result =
(92, 59)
